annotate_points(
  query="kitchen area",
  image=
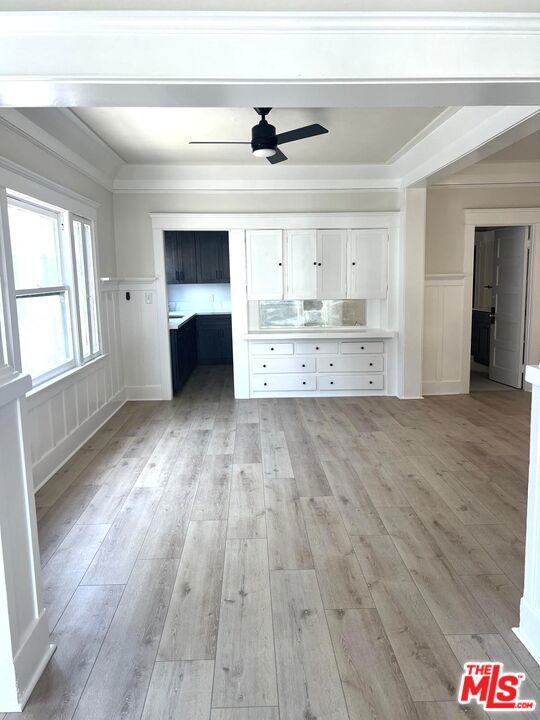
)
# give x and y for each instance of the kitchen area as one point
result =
(199, 301)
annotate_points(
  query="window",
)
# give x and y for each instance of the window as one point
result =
(55, 288)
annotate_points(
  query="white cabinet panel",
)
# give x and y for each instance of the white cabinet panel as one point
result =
(351, 382)
(351, 363)
(278, 383)
(264, 250)
(301, 264)
(360, 347)
(367, 264)
(278, 348)
(283, 365)
(332, 264)
(315, 347)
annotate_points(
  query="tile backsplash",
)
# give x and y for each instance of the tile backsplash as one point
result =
(200, 297)
(311, 313)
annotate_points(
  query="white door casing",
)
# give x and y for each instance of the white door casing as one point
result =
(509, 299)
(367, 264)
(264, 264)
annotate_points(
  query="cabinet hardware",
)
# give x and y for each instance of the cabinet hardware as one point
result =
(314, 263)
(362, 347)
(271, 348)
(331, 364)
(264, 365)
(370, 364)
(317, 348)
(303, 382)
(303, 364)
(354, 263)
(280, 264)
(319, 264)
(371, 382)
(331, 382)
(265, 383)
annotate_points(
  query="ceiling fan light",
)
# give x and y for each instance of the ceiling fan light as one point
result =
(264, 152)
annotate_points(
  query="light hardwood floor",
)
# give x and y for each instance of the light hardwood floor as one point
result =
(213, 559)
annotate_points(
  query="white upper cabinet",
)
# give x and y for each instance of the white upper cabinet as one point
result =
(301, 264)
(332, 264)
(264, 264)
(367, 264)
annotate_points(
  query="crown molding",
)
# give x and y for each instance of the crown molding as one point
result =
(254, 178)
(39, 137)
(145, 23)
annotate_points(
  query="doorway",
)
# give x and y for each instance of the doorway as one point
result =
(499, 307)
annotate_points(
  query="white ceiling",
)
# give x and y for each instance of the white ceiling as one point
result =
(279, 5)
(162, 135)
(523, 151)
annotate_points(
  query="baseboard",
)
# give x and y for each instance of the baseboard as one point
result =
(30, 662)
(528, 631)
(53, 460)
(444, 387)
(144, 392)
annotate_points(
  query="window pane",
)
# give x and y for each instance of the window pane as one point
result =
(44, 333)
(35, 248)
(81, 288)
(91, 284)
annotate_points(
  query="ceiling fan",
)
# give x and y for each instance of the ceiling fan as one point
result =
(264, 141)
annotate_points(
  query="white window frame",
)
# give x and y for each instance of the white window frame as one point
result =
(73, 217)
(69, 287)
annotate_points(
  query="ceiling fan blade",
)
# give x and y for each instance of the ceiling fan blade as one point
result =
(217, 142)
(301, 133)
(278, 157)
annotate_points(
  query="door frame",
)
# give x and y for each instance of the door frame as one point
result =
(496, 217)
(236, 225)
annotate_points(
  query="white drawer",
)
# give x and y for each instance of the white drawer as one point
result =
(276, 348)
(278, 383)
(351, 382)
(358, 347)
(283, 365)
(316, 348)
(351, 363)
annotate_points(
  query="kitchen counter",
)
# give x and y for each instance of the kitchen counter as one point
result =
(175, 323)
(316, 333)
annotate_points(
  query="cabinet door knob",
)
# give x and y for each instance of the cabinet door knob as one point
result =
(317, 347)
(303, 382)
(362, 348)
(280, 264)
(265, 383)
(331, 364)
(271, 348)
(303, 364)
(314, 263)
(370, 364)
(264, 365)
(371, 382)
(331, 382)
(319, 264)
(354, 263)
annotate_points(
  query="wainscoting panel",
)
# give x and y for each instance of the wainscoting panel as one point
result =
(444, 335)
(64, 415)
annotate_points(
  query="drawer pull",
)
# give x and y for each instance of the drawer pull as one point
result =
(361, 348)
(371, 382)
(331, 382)
(370, 364)
(331, 364)
(354, 263)
(273, 348)
(303, 364)
(314, 263)
(264, 365)
(317, 348)
(265, 383)
(303, 382)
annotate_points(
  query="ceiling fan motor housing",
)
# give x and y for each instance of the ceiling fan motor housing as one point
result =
(263, 135)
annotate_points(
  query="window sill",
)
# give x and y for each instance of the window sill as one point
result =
(59, 383)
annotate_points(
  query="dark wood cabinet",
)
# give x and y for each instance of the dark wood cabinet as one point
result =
(196, 257)
(214, 340)
(183, 353)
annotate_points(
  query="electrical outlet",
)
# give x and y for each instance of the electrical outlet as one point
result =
(148, 298)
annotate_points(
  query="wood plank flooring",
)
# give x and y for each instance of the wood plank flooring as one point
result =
(313, 559)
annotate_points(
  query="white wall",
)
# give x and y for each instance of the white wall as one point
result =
(135, 256)
(448, 279)
(63, 416)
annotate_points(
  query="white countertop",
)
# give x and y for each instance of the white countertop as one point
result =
(175, 323)
(311, 333)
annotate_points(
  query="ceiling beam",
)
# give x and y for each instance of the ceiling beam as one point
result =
(268, 59)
